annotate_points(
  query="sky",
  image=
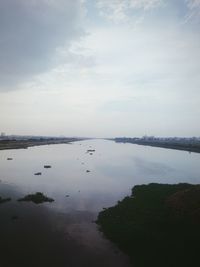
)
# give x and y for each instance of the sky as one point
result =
(100, 68)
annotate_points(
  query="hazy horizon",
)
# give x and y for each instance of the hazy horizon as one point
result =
(100, 68)
(96, 137)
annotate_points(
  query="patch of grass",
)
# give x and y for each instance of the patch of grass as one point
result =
(37, 198)
(158, 225)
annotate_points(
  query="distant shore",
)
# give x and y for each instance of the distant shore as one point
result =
(24, 144)
(170, 144)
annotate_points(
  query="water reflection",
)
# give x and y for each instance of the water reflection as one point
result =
(35, 235)
(63, 233)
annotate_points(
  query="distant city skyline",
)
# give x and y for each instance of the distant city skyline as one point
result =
(100, 68)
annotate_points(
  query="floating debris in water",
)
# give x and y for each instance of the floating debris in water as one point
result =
(67, 195)
(9, 158)
(37, 198)
(47, 166)
(3, 200)
(90, 150)
(38, 173)
(88, 171)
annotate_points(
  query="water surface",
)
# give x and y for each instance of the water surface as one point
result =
(63, 233)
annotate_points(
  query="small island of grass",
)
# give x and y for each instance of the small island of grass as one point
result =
(158, 225)
(37, 198)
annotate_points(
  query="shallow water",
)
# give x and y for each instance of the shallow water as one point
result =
(63, 233)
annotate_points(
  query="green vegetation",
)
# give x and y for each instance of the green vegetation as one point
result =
(38, 173)
(25, 143)
(3, 200)
(37, 198)
(47, 166)
(158, 225)
(186, 144)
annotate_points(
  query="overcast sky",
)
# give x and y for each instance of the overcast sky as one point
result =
(100, 68)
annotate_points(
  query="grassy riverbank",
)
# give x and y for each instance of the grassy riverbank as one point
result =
(17, 144)
(186, 145)
(158, 225)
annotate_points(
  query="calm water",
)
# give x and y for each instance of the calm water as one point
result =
(63, 233)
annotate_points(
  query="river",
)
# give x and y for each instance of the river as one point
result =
(64, 233)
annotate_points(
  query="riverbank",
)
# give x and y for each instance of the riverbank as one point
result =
(190, 146)
(23, 144)
(158, 225)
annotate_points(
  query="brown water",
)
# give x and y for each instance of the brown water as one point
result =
(63, 233)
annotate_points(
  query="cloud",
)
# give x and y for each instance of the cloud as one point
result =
(30, 34)
(193, 3)
(193, 10)
(119, 10)
(136, 11)
(131, 80)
